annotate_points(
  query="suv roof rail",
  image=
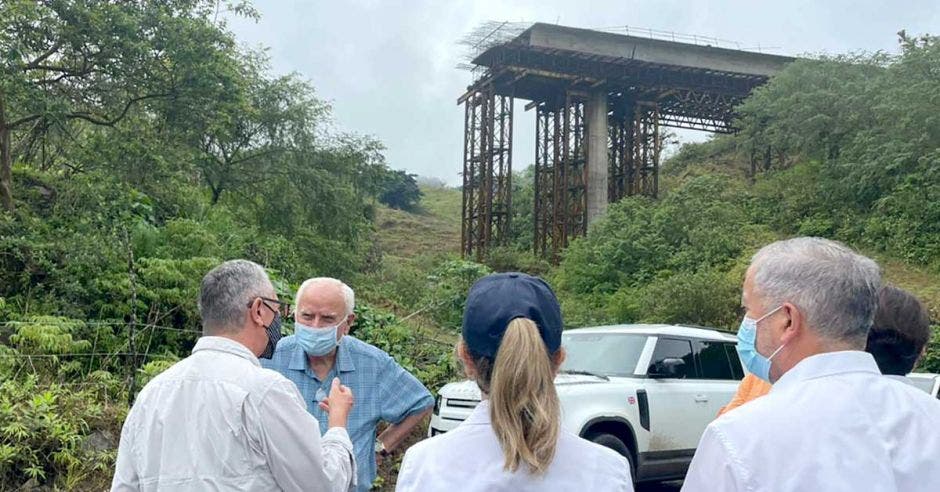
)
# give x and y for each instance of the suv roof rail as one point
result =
(710, 328)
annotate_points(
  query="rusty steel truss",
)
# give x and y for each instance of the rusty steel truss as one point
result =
(634, 149)
(560, 202)
(487, 171)
(645, 90)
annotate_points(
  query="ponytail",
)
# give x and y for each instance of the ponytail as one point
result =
(524, 407)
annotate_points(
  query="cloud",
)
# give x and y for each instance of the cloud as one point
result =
(389, 67)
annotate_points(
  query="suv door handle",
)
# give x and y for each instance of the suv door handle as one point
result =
(701, 398)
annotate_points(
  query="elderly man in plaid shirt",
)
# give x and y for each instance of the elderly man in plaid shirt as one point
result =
(321, 349)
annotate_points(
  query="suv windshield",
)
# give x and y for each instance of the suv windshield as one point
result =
(609, 354)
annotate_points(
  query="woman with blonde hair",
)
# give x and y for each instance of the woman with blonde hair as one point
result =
(511, 346)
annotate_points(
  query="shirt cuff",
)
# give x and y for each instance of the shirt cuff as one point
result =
(340, 436)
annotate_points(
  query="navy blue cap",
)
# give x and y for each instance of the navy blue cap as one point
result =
(497, 299)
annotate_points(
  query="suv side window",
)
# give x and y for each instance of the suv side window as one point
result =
(713, 360)
(674, 348)
(736, 368)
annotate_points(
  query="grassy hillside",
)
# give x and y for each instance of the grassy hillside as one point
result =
(436, 229)
(412, 246)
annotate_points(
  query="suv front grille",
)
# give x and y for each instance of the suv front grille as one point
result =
(454, 402)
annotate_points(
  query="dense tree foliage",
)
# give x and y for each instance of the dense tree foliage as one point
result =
(141, 146)
(400, 190)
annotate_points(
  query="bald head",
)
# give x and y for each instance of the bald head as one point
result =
(328, 287)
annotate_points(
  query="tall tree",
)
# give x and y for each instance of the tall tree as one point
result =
(251, 124)
(68, 61)
(401, 191)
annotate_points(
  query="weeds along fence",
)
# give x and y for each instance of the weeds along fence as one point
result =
(119, 357)
(112, 355)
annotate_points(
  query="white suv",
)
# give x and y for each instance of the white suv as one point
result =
(927, 382)
(646, 391)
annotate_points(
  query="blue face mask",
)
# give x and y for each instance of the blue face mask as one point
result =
(317, 341)
(755, 363)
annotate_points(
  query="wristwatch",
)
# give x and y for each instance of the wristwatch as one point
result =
(380, 448)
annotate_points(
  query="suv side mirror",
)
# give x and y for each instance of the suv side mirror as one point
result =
(669, 367)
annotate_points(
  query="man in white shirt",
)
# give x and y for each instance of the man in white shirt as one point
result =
(831, 421)
(218, 421)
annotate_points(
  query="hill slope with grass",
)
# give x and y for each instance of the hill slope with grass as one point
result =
(434, 228)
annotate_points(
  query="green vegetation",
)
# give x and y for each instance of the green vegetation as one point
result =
(401, 191)
(845, 148)
(141, 146)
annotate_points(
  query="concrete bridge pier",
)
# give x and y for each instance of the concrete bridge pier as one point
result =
(597, 164)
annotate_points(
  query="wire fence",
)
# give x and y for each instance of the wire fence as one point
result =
(121, 361)
(85, 354)
(124, 359)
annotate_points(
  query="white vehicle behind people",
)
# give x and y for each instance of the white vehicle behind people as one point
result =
(511, 346)
(930, 383)
(646, 391)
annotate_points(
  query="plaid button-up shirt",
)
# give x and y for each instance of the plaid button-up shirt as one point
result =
(383, 390)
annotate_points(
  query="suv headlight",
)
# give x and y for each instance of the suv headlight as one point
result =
(437, 405)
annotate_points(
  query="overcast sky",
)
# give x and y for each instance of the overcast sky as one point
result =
(389, 67)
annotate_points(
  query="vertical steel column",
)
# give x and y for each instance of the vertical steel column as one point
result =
(614, 157)
(576, 172)
(470, 211)
(559, 196)
(487, 171)
(560, 204)
(544, 185)
(647, 147)
(657, 150)
(620, 150)
(501, 151)
(485, 194)
(571, 183)
(629, 158)
(466, 204)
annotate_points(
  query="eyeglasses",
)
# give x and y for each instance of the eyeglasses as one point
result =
(284, 308)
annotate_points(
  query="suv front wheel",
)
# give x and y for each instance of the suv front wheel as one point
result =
(613, 442)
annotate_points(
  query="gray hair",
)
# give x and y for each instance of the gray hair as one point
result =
(226, 292)
(349, 297)
(835, 288)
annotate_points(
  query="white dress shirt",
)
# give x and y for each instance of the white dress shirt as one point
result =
(218, 421)
(469, 458)
(832, 423)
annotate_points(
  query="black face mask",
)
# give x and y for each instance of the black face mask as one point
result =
(274, 334)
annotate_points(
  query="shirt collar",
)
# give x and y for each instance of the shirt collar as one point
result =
(226, 345)
(828, 364)
(344, 360)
